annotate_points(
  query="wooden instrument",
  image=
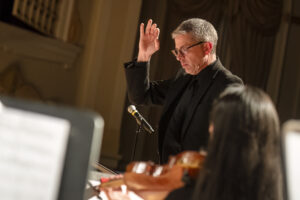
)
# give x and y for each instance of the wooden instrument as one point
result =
(150, 181)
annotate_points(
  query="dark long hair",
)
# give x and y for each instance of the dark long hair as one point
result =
(243, 160)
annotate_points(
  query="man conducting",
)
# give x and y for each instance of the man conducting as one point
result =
(188, 97)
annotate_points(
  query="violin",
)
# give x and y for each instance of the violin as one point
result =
(190, 161)
(152, 181)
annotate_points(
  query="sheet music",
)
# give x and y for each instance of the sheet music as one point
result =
(292, 164)
(32, 152)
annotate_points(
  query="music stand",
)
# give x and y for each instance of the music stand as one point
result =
(291, 161)
(82, 147)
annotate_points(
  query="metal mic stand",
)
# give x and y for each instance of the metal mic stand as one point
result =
(138, 130)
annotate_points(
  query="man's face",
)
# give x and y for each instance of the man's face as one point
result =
(194, 59)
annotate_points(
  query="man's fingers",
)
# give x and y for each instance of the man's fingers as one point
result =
(142, 30)
(148, 27)
(157, 31)
(153, 29)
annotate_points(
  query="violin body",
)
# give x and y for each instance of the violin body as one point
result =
(151, 181)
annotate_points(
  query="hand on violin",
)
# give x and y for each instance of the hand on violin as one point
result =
(149, 42)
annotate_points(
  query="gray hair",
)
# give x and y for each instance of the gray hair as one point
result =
(200, 30)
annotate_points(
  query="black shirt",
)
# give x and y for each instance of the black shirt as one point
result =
(172, 143)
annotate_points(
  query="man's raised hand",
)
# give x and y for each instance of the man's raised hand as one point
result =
(149, 42)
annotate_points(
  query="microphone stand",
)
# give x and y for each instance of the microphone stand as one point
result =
(138, 130)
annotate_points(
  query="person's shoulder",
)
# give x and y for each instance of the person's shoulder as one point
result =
(227, 76)
(231, 78)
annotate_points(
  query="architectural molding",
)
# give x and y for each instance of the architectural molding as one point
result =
(29, 45)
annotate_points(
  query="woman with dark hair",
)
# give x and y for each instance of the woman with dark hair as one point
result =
(243, 159)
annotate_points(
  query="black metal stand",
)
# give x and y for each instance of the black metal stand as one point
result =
(138, 130)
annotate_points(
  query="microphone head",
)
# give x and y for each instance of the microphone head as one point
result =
(131, 109)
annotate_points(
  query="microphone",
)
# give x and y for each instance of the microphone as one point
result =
(140, 119)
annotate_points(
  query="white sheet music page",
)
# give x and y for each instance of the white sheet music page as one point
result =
(32, 152)
(292, 164)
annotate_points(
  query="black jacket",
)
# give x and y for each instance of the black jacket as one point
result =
(193, 133)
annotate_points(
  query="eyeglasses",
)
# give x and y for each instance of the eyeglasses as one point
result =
(183, 50)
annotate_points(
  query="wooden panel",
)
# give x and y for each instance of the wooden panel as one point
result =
(27, 44)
